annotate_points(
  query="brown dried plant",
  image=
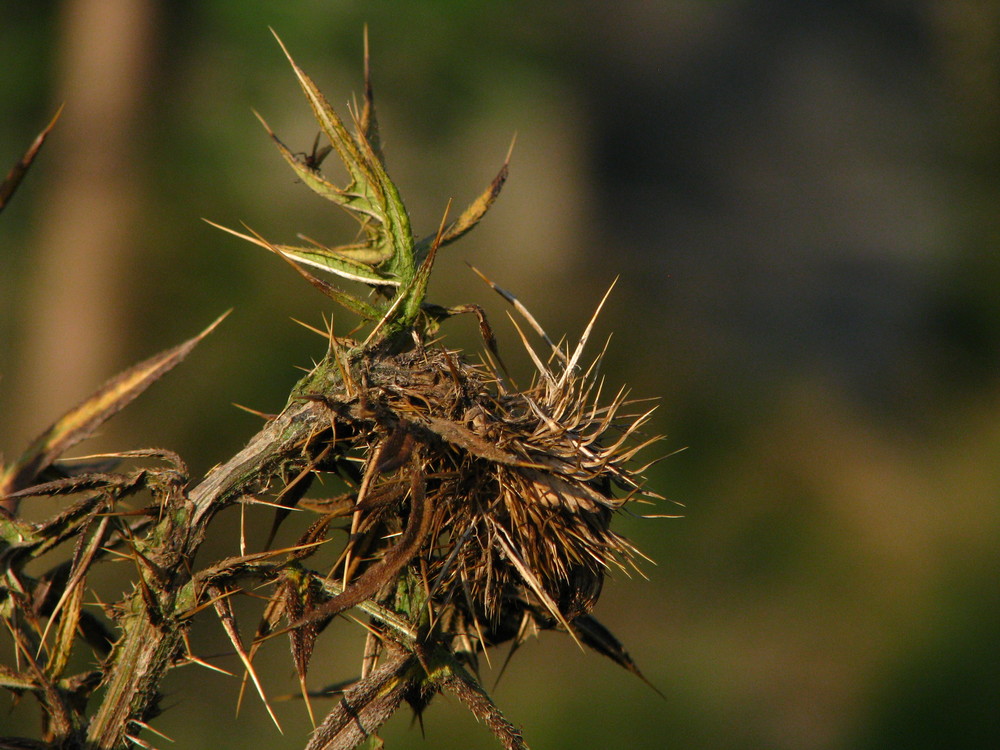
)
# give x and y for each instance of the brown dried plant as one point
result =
(476, 513)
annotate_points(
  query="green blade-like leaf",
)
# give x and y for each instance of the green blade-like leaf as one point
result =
(370, 190)
(318, 257)
(348, 301)
(358, 252)
(332, 261)
(317, 182)
(417, 289)
(341, 140)
(387, 257)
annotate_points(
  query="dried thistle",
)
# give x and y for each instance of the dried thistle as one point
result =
(477, 512)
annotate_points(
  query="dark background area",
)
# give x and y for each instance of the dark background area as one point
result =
(801, 202)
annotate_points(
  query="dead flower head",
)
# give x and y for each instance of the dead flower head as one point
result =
(478, 512)
(502, 498)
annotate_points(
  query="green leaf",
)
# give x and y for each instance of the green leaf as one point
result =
(369, 193)
(335, 261)
(387, 258)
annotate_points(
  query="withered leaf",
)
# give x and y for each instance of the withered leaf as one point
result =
(20, 169)
(472, 215)
(599, 638)
(299, 596)
(288, 499)
(68, 608)
(368, 122)
(13, 680)
(224, 609)
(80, 422)
(462, 437)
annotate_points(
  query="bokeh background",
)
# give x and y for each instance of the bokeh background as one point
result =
(801, 201)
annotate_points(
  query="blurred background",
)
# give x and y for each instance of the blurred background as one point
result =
(801, 201)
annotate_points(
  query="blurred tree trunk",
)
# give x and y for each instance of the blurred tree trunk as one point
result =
(86, 218)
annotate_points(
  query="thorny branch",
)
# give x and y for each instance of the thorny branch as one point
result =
(470, 513)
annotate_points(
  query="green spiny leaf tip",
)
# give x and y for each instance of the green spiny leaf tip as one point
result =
(387, 258)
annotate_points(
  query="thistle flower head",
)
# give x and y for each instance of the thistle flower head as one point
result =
(479, 512)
